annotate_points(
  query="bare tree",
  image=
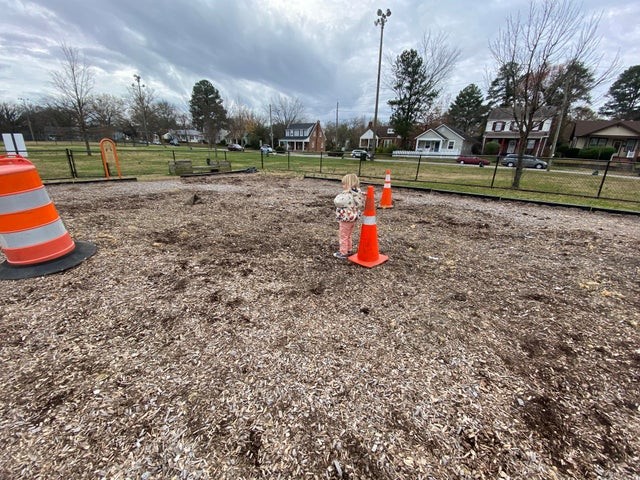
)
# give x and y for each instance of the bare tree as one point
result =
(439, 58)
(140, 99)
(106, 110)
(74, 82)
(241, 122)
(553, 33)
(286, 110)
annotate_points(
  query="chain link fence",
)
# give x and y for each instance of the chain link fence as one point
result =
(570, 180)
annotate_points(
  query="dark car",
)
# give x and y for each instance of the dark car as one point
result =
(234, 147)
(528, 161)
(472, 161)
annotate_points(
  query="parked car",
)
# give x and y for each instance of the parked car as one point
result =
(174, 142)
(266, 149)
(234, 147)
(472, 161)
(358, 152)
(528, 161)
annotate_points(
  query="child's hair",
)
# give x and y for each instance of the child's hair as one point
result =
(350, 181)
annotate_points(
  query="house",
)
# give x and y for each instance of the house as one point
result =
(303, 137)
(503, 129)
(623, 135)
(385, 136)
(443, 140)
(185, 136)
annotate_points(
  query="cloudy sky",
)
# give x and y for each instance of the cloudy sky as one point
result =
(324, 53)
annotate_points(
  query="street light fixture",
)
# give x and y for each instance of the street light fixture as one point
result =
(142, 102)
(381, 20)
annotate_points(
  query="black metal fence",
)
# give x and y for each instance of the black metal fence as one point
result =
(615, 180)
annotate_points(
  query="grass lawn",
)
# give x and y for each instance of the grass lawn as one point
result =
(564, 184)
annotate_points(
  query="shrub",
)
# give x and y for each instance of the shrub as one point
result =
(600, 153)
(491, 148)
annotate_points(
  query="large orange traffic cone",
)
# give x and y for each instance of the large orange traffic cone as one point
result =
(368, 255)
(385, 201)
(32, 237)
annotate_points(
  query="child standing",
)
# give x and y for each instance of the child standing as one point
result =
(348, 209)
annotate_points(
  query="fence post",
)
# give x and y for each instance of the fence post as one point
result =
(321, 162)
(288, 161)
(72, 164)
(418, 167)
(604, 175)
(495, 171)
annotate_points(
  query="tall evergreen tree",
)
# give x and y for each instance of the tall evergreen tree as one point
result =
(207, 111)
(468, 112)
(502, 90)
(624, 103)
(413, 94)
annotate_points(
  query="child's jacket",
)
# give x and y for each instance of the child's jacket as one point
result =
(348, 205)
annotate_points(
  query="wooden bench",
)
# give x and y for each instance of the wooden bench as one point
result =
(179, 167)
(186, 167)
(213, 166)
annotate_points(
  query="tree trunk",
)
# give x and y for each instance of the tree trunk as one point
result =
(517, 175)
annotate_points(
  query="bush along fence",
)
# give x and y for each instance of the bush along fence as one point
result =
(617, 180)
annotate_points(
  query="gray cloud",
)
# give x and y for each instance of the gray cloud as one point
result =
(321, 52)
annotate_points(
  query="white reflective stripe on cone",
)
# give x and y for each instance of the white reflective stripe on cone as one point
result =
(24, 201)
(33, 236)
(369, 220)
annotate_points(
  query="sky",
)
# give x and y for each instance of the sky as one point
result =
(324, 53)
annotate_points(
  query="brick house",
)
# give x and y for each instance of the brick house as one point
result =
(303, 137)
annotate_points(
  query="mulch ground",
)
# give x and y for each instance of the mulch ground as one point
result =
(214, 336)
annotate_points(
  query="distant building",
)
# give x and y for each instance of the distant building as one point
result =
(623, 135)
(503, 129)
(303, 137)
(385, 137)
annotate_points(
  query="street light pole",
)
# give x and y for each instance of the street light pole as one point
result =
(142, 102)
(381, 20)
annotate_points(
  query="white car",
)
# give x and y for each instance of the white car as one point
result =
(266, 149)
(357, 153)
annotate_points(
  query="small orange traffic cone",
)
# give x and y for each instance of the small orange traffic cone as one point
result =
(368, 255)
(385, 201)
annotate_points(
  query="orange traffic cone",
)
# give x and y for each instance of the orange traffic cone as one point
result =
(385, 201)
(368, 255)
(33, 239)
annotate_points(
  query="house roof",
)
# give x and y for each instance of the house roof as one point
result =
(501, 113)
(301, 126)
(381, 131)
(588, 127)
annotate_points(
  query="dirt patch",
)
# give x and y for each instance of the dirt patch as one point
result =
(214, 336)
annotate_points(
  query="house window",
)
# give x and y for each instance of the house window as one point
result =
(390, 131)
(597, 142)
(450, 145)
(498, 126)
(631, 145)
(514, 127)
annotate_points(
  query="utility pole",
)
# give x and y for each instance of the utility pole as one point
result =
(337, 104)
(142, 102)
(270, 127)
(381, 20)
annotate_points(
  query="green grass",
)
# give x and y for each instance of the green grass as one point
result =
(565, 183)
